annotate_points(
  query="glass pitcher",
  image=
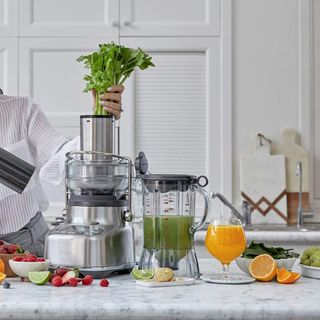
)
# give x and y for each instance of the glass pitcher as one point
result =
(169, 206)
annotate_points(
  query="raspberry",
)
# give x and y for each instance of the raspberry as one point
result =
(18, 258)
(87, 280)
(104, 283)
(56, 281)
(73, 282)
(41, 259)
(61, 271)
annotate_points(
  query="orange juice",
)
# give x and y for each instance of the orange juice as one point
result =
(225, 242)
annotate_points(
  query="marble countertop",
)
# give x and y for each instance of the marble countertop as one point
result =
(123, 299)
(275, 236)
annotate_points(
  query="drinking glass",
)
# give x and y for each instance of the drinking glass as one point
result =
(225, 240)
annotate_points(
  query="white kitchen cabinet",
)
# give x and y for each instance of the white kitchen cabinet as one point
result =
(66, 18)
(173, 111)
(169, 18)
(50, 74)
(8, 18)
(9, 65)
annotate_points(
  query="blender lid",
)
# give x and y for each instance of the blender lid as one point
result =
(171, 182)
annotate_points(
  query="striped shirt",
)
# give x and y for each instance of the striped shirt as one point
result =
(26, 132)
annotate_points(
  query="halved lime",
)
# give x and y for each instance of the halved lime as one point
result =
(142, 274)
(39, 277)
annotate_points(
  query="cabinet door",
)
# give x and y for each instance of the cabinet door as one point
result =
(174, 112)
(9, 66)
(8, 18)
(60, 18)
(50, 74)
(169, 17)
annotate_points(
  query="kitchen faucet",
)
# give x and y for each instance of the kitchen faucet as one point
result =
(245, 217)
(300, 209)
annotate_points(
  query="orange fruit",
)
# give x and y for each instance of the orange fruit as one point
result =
(2, 276)
(263, 268)
(286, 277)
(2, 266)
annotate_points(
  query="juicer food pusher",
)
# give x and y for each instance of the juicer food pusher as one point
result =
(95, 235)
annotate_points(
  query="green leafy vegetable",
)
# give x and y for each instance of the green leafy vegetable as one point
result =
(111, 65)
(255, 249)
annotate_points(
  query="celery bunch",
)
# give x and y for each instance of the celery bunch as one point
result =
(111, 65)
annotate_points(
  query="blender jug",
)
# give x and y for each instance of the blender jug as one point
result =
(169, 222)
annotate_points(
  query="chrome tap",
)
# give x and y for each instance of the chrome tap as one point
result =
(245, 217)
(300, 209)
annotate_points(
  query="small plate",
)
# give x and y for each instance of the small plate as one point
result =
(234, 279)
(310, 272)
(177, 282)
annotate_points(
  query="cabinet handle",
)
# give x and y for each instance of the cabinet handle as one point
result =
(127, 23)
(115, 24)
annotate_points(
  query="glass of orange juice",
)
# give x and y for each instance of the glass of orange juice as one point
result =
(225, 240)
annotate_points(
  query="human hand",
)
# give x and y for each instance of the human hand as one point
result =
(111, 100)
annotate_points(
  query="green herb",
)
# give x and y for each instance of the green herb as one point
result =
(111, 65)
(255, 249)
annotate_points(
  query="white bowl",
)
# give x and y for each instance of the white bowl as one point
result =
(244, 263)
(310, 272)
(22, 269)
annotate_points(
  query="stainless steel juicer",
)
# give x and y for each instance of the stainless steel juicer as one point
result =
(95, 235)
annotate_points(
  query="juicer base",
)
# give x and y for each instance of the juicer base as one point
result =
(101, 272)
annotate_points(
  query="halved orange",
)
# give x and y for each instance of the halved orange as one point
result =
(2, 276)
(263, 268)
(286, 277)
(2, 266)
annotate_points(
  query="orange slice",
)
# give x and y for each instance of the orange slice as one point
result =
(2, 276)
(286, 277)
(2, 266)
(263, 268)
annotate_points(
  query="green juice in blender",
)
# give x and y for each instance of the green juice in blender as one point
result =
(170, 235)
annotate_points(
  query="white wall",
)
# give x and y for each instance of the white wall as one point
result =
(265, 73)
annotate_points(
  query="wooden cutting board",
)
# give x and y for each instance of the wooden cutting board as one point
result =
(294, 153)
(263, 184)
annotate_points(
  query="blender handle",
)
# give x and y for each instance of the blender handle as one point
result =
(207, 206)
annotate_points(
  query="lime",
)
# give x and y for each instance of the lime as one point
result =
(142, 274)
(39, 277)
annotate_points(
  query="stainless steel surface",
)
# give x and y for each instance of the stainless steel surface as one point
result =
(95, 238)
(76, 245)
(97, 133)
(245, 218)
(300, 209)
(15, 173)
(108, 216)
(265, 227)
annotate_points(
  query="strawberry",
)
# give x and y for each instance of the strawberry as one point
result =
(41, 259)
(56, 281)
(73, 282)
(3, 250)
(70, 274)
(87, 280)
(18, 258)
(31, 259)
(104, 283)
(60, 271)
(11, 248)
